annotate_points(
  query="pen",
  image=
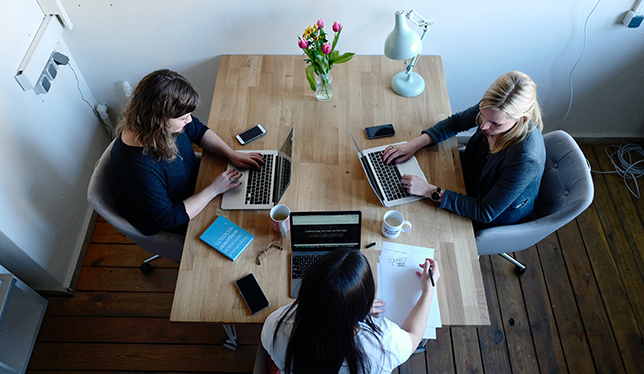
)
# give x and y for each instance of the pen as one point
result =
(431, 276)
(371, 245)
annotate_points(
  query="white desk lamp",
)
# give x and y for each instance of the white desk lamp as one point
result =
(402, 44)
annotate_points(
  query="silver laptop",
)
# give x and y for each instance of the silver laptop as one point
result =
(385, 178)
(314, 234)
(264, 187)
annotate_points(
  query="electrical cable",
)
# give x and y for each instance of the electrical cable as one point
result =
(626, 165)
(577, 63)
(109, 130)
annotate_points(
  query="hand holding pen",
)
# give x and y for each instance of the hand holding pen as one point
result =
(430, 273)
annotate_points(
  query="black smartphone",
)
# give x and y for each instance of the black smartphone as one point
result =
(251, 134)
(382, 131)
(252, 293)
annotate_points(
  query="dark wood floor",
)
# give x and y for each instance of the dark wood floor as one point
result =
(579, 308)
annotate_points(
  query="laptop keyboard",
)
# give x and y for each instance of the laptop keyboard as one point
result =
(389, 177)
(300, 263)
(258, 190)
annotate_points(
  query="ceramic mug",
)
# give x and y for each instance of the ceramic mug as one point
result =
(279, 219)
(392, 224)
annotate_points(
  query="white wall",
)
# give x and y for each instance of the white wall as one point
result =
(48, 147)
(116, 40)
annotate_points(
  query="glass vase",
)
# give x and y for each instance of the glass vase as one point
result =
(323, 87)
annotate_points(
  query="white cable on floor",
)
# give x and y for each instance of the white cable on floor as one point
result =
(628, 161)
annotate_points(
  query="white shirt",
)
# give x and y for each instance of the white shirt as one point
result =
(396, 342)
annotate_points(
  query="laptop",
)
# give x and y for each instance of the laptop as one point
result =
(385, 178)
(314, 234)
(264, 187)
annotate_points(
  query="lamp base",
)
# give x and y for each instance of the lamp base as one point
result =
(408, 85)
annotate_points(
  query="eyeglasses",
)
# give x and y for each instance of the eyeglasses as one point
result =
(271, 248)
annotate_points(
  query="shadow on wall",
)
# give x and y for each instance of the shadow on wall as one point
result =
(593, 108)
(203, 78)
(50, 210)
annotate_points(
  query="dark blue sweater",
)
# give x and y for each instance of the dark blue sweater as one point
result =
(150, 192)
(501, 190)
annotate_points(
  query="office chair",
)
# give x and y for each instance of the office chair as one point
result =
(262, 360)
(566, 190)
(100, 196)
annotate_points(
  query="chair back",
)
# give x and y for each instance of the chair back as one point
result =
(566, 190)
(101, 198)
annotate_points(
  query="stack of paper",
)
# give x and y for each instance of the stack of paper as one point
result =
(399, 285)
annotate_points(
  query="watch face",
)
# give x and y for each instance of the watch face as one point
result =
(435, 196)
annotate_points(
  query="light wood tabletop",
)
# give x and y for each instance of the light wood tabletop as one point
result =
(327, 175)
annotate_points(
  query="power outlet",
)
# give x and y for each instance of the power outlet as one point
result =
(632, 19)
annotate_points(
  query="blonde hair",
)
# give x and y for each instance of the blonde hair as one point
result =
(515, 94)
(160, 96)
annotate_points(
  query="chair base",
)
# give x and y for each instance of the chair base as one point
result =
(146, 267)
(519, 268)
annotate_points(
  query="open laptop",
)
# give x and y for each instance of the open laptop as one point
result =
(314, 234)
(264, 187)
(385, 178)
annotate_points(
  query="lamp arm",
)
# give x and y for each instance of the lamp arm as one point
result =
(412, 63)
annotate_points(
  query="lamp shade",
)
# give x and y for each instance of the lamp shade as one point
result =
(402, 43)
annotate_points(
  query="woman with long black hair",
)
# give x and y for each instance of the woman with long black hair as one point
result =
(330, 327)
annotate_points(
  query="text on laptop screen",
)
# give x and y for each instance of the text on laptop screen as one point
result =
(326, 231)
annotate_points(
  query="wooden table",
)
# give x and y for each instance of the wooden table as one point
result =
(273, 91)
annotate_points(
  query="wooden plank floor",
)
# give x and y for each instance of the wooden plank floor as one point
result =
(579, 308)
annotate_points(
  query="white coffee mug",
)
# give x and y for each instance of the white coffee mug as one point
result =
(392, 224)
(279, 219)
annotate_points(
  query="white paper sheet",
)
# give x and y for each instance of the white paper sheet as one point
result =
(399, 285)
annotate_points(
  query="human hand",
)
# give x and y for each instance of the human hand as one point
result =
(225, 181)
(404, 151)
(246, 160)
(416, 185)
(398, 153)
(430, 271)
(377, 306)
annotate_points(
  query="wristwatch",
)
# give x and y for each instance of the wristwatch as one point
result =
(436, 195)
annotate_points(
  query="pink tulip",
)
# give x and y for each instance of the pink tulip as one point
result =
(302, 43)
(326, 48)
(320, 23)
(336, 26)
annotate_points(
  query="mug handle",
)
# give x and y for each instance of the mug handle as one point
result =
(403, 226)
(283, 228)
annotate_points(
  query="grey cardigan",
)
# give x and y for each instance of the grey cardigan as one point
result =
(502, 189)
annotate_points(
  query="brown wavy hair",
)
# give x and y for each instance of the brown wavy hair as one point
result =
(160, 96)
(515, 94)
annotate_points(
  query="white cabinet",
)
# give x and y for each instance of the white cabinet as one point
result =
(21, 313)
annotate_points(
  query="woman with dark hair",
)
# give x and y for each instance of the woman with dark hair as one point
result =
(503, 162)
(154, 167)
(329, 328)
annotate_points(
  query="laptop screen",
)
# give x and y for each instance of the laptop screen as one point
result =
(312, 231)
(284, 167)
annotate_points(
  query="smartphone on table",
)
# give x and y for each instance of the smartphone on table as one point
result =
(250, 134)
(252, 293)
(375, 132)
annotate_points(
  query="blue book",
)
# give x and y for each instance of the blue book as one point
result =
(226, 237)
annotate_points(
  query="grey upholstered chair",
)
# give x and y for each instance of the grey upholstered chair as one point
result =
(100, 196)
(566, 190)
(262, 360)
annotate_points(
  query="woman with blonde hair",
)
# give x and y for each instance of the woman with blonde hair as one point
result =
(503, 161)
(154, 167)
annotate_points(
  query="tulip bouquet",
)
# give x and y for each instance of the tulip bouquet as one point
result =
(321, 54)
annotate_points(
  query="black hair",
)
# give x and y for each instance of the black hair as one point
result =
(336, 294)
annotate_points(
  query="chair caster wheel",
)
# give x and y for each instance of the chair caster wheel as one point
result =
(145, 268)
(229, 344)
(519, 270)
